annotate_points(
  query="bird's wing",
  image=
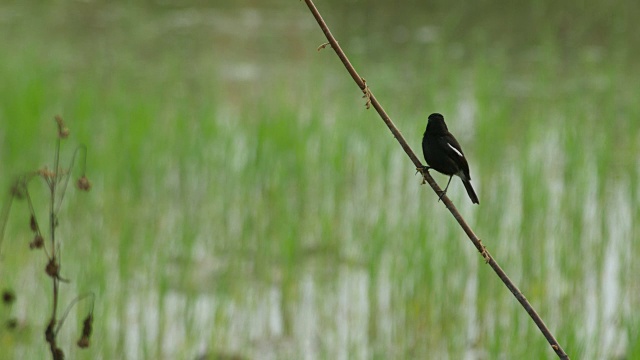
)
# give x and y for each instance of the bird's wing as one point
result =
(451, 146)
(455, 154)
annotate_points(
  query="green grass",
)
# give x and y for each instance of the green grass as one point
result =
(245, 201)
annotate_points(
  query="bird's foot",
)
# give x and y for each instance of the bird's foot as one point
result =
(422, 170)
(441, 195)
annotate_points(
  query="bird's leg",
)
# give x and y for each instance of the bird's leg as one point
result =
(445, 189)
(422, 170)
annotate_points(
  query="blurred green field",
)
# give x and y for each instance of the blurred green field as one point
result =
(245, 202)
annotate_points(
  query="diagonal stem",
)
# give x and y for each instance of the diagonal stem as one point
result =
(427, 177)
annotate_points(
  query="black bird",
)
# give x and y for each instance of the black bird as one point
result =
(443, 154)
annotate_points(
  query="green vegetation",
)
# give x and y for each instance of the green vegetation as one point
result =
(245, 202)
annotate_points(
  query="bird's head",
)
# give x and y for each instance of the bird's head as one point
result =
(436, 125)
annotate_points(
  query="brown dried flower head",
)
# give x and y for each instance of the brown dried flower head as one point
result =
(49, 335)
(87, 325)
(37, 242)
(46, 174)
(53, 269)
(84, 342)
(63, 131)
(87, 328)
(8, 297)
(33, 223)
(58, 354)
(84, 184)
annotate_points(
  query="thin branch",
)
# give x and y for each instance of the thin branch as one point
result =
(4, 216)
(71, 305)
(67, 174)
(371, 99)
(32, 211)
(53, 223)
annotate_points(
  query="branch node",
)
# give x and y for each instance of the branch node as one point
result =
(484, 252)
(367, 93)
(324, 46)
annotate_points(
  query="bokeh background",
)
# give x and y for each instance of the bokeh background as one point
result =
(246, 204)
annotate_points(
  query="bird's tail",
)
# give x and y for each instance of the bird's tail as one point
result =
(470, 191)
